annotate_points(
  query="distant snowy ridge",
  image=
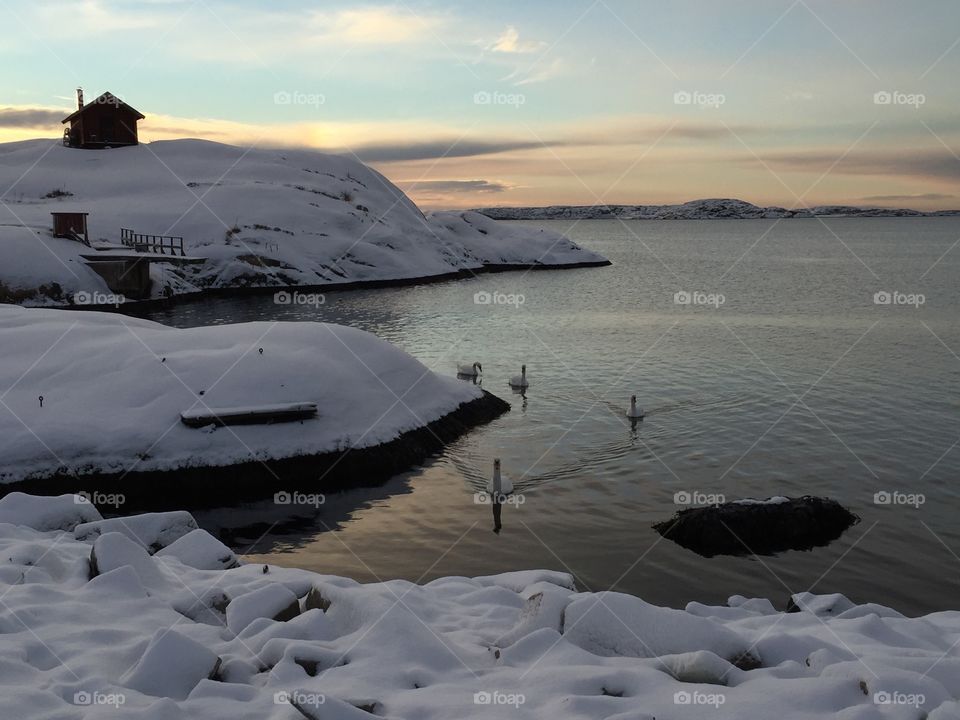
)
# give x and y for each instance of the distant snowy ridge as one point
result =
(261, 218)
(710, 209)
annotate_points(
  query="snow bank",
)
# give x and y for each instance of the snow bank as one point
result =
(262, 218)
(113, 389)
(78, 648)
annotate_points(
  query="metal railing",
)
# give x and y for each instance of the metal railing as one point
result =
(157, 244)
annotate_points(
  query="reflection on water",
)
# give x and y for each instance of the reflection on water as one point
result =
(797, 384)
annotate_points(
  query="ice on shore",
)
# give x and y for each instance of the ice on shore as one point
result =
(258, 642)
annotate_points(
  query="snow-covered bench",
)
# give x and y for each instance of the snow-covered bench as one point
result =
(249, 414)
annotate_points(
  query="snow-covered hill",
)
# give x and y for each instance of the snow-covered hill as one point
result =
(695, 210)
(92, 392)
(260, 217)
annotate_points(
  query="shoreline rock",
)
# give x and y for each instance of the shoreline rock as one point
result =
(747, 527)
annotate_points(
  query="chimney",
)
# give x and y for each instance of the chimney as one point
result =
(79, 98)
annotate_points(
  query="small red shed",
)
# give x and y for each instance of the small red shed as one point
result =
(71, 225)
(105, 122)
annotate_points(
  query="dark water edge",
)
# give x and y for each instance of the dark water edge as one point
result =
(200, 487)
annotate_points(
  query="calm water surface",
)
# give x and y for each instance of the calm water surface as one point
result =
(797, 383)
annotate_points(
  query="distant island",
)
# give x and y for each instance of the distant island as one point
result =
(711, 209)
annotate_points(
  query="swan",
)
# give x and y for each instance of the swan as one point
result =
(499, 486)
(634, 412)
(520, 381)
(469, 370)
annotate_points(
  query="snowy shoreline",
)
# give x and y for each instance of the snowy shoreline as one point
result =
(149, 617)
(99, 397)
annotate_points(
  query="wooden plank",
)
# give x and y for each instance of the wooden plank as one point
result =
(249, 415)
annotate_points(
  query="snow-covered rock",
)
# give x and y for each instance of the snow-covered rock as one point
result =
(199, 549)
(114, 388)
(64, 512)
(261, 218)
(75, 648)
(171, 666)
(274, 601)
(152, 530)
(113, 550)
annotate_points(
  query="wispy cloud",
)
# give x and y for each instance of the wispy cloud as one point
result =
(510, 42)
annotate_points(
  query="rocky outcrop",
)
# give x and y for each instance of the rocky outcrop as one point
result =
(758, 527)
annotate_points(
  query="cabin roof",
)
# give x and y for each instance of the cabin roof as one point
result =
(107, 98)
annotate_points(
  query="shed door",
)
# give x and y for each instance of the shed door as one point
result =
(108, 129)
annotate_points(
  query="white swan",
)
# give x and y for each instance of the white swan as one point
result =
(469, 370)
(499, 486)
(634, 412)
(520, 381)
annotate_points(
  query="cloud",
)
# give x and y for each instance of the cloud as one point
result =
(31, 117)
(537, 73)
(510, 42)
(928, 164)
(378, 25)
(454, 186)
(435, 149)
(908, 198)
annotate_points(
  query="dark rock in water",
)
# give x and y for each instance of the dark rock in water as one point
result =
(764, 527)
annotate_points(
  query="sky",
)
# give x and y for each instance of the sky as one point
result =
(475, 104)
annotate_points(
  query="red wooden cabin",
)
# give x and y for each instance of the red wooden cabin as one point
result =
(105, 122)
